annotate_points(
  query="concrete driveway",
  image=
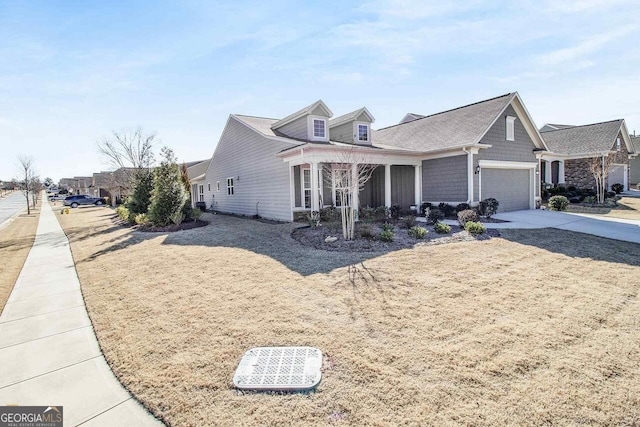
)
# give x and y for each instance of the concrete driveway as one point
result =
(612, 228)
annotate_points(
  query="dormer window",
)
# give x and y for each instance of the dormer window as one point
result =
(511, 133)
(319, 128)
(363, 133)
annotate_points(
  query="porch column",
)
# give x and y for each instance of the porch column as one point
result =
(315, 202)
(387, 185)
(417, 186)
(547, 171)
(561, 172)
(356, 187)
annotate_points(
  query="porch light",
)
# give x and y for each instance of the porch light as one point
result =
(477, 171)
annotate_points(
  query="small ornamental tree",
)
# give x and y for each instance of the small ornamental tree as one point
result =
(139, 201)
(168, 195)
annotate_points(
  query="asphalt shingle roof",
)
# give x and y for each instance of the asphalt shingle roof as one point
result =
(593, 138)
(453, 128)
(635, 141)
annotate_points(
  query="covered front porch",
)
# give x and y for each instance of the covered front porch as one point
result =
(395, 180)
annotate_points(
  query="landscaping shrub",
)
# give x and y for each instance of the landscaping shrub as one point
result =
(435, 215)
(545, 194)
(590, 200)
(466, 216)
(618, 188)
(424, 207)
(366, 231)
(366, 214)
(329, 214)
(558, 203)
(313, 218)
(611, 194)
(140, 199)
(123, 213)
(442, 228)
(141, 219)
(409, 221)
(418, 232)
(169, 195)
(571, 188)
(387, 227)
(488, 207)
(382, 212)
(446, 209)
(475, 227)
(386, 236)
(394, 212)
(195, 213)
(462, 207)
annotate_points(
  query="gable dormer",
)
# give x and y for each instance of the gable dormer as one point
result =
(352, 128)
(309, 124)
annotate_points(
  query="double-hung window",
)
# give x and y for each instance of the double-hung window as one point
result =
(230, 188)
(319, 128)
(363, 133)
(306, 188)
(201, 193)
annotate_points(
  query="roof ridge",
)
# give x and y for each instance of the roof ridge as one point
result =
(255, 117)
(583, 126)
(447, 111)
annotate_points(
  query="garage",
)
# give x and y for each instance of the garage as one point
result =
(617, 175)
(510, 187)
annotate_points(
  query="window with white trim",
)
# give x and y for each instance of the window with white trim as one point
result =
(201, 193)
(306, 188)
(230, 189)
(319, 128)
(511, 131)
(217, 185)
(618, 144)
(363, 133)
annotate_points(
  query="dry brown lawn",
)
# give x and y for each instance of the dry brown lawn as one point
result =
(16, 240)
(628, 208)
(536, 327)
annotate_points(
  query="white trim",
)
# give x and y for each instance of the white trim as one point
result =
(500, 164)
(292, 191)
(352, 116)
(231, 187)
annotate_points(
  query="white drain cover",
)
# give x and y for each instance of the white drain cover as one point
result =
(279, 368)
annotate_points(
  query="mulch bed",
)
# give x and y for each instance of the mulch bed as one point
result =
(315, 237)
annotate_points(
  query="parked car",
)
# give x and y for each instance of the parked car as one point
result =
(57, 197)
(83, 199)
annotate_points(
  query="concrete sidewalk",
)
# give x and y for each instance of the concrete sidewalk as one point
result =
(49, 354)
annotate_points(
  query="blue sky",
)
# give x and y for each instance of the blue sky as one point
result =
(70, 72)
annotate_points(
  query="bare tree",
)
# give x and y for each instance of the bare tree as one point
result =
(348, 175)
(128, 149)
(600, 167)
(36, 189)
(26, 177)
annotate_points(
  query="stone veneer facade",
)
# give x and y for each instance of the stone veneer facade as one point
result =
(577, 172)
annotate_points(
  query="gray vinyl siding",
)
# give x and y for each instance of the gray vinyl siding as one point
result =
(634, 171)
(296, 129)
(519, 150)
(372, 194)
(445, 179)
(342, 133)
(402, 186)
(259, 176)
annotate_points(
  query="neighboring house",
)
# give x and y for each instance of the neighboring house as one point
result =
(77, 184)
(277, 168)
(634, 163)
(196, 171)
(573, 149)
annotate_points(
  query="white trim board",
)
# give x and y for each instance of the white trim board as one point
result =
(500, 164)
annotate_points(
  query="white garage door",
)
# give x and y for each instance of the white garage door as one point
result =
(616, 175)
(510, 187)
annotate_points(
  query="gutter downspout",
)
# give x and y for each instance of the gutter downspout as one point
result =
(469, 175)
